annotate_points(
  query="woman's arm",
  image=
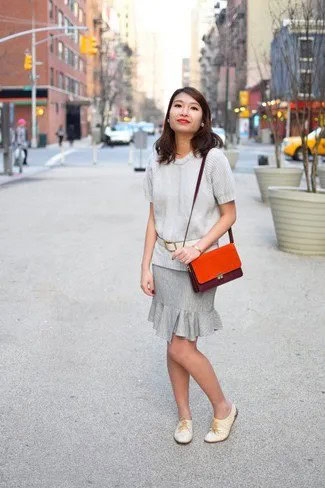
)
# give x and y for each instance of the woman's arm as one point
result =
(147, 284)
(227, 219)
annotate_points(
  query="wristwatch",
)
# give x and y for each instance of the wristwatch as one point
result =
(198, 249)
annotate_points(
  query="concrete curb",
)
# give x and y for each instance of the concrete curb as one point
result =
(31, 171)
(56, 160)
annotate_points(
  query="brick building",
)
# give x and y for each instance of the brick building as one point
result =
(62, 97)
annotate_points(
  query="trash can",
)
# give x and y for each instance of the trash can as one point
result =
(263, 160)
(42, 140)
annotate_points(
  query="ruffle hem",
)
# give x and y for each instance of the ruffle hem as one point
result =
(169, 320)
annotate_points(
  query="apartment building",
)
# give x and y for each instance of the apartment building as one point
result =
(62, 97)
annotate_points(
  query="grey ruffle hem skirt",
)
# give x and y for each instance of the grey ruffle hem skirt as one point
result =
(177, 309)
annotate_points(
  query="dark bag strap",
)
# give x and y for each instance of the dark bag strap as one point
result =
(231, 237)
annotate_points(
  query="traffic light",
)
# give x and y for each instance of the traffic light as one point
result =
(93, 45)
(88, 45)
(28, 62)
(83, 44)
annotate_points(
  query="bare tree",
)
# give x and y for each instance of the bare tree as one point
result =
(270, 105)
(114, 77)
(299, 42)
(150, 112)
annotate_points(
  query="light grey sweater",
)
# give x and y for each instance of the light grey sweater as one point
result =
(171, 189)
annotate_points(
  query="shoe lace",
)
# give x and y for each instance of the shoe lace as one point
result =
(214, 427)
(183, 425)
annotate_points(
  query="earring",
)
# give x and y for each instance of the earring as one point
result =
(168, 121)
(202, 125)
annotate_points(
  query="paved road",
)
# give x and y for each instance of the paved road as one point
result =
(85, 397)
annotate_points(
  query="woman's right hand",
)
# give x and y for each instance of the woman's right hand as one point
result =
(147, 283)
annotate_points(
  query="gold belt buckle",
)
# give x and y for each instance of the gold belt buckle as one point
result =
(170, 242)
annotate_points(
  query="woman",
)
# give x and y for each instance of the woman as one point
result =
(21, 138)
(178, 314)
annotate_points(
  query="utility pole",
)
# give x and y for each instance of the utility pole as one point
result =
(227, 76)
(34, 140)
(33, 80)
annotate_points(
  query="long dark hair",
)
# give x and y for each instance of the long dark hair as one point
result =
(202, 141)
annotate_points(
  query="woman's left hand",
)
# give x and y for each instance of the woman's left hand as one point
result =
(186, 254)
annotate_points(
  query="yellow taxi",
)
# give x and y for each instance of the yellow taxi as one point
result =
(292, 146)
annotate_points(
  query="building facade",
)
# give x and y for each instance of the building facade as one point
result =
(62, 97)
(298, 71)
(237, 52)
(185, 72)
(201, 20)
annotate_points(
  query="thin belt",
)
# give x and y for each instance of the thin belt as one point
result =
(172, 246)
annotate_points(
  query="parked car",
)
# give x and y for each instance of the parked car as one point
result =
(292, 146)
(147, 127)
(118, 134)
(220, 132)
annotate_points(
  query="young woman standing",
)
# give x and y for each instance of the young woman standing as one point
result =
(180, 315)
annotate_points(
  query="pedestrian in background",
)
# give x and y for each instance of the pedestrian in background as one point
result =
(71, 134)
(180, 315)
(60, 135)
(21, 139)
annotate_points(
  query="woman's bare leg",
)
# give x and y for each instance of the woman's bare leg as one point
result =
(185, 354)
(180, 380)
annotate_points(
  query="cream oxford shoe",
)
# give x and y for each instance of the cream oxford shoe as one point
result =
(220, 428)
(184, 431)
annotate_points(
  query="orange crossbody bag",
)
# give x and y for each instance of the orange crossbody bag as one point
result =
(213, 268)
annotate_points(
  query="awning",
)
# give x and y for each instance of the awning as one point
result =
(24, 101)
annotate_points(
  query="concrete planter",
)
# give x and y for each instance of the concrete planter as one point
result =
(232, 156)
(268, 176)
(321, 174)
(299, 220)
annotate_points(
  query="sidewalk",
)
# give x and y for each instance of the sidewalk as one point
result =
(41, 159)
(86, 399)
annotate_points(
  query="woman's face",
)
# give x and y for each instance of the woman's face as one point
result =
(185, 114)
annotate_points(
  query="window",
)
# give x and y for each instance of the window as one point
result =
(57, 108)
(60, 81)
(76, 9)
(66, 55)
(60, 50)
(81, 65)
(60, 18)
(305, 64)
(51, 9)
(52, 76)
(306, 48)
(81, 15)
(305, 83)
(66, 25)
(51, 43)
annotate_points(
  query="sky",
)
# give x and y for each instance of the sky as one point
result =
(170, 20)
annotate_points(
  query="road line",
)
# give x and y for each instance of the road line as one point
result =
(54, 159)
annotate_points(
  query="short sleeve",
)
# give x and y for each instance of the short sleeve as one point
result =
(147, 183)
(221, 176)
